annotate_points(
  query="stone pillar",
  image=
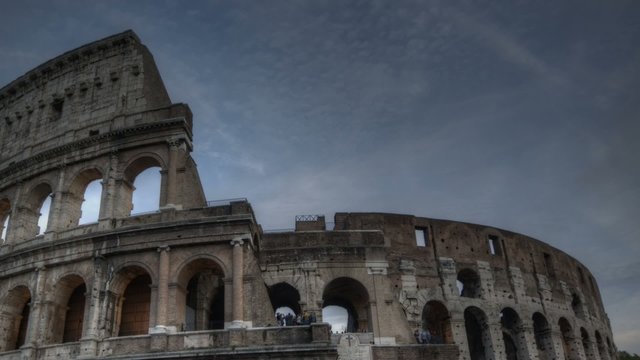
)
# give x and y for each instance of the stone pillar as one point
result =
(57, 204)
(557, 343)
(526, 340)
(163, 292)
(447, 267)
(460, 334)
(486, 280)
(16, 229)
(493, 340)
(238, 296)
(37, 316)
(378, 270)
(108, 197)
(89, 342)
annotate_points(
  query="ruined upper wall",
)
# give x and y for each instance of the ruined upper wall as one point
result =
(77, 95)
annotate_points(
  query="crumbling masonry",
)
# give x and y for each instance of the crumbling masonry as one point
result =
(200, 279)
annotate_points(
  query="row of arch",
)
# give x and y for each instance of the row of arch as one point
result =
(352, 296)
(33, 213)
(468, 284)
(514, 337)
(343, 292)
(125, 305)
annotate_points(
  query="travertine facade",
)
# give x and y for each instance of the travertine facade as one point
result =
(200, 279)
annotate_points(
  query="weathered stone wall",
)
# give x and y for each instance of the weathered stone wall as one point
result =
(75, 95)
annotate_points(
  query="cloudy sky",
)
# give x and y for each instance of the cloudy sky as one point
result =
(523, 115)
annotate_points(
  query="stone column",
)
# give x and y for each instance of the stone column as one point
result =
(526, 341)
(37, 316)
(377, 270)
(460, 334)
(163, 291)
(493, 340)
(238, 296)
(108, 197)
(557, 345)
(57, 203)
(89, 342)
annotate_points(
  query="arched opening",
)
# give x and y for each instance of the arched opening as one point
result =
(477, 329)
(570, 352)
(468, 283)
(15, 319)
(510, 348)
(82, 200)
(610, 349)
(337, 317)
(34, 216)
(604, 355)
(143, 183)
(577, 306)
(135, 302)
(512, 334)
(586, 343)
(43, 218)
(436, 319)
(284, 296)
(5, 214)
(146, 195)
(204, 298)
(543, 337)
(353, 297)
(68, 311)
(90, 209)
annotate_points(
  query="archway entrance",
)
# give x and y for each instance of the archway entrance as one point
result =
(435, 318)
(478, 339)
(352, 296)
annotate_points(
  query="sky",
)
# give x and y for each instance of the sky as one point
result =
(523, 115)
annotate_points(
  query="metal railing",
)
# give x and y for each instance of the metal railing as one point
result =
(308, 217)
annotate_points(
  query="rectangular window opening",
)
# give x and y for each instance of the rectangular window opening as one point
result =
(548, 263)
(494, 246)
(421, 237)
(56, 110)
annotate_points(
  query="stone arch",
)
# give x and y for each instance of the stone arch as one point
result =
(30, 210)
(604, 355)
(69, 307)
(610, 349)
(130, 297)
(75, 195)
(437, 319)
(468, 282)
(351, 295)
(543, 337)
(5, 215)
(183, 267)
(14, 317)
(587, 346)
(577, 306)
(201, 304)
(513, 335)
(478, 338)
(283, 294)
(132, 169)
(568, 339)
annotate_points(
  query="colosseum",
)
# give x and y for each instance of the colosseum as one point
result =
(201, 279)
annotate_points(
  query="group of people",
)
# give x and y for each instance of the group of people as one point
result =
(291, 319)
(423, 336)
